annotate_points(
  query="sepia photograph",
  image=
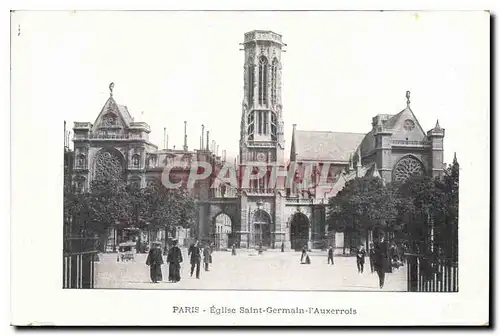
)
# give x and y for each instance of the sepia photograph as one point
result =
(258, 151)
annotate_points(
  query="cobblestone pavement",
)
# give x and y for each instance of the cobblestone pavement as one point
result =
(248, 270)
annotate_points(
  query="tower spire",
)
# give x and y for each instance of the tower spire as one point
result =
(437, 127)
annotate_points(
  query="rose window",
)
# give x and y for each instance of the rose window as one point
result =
(108, 165)
(408, 167)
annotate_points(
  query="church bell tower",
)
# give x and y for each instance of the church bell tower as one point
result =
(262, 138)
(262, 142)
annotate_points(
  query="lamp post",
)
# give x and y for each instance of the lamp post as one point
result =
(259, 207)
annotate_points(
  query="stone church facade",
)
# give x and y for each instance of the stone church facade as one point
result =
(260, 213)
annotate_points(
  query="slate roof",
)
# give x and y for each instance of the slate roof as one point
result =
(321, 145)
(125, 113)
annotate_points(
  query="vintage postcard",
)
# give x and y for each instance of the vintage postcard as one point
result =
(251, 167)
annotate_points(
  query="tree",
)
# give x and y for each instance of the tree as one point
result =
(109, 204)
(362, 205)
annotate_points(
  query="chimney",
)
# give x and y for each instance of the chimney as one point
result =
(208, 140)
(166, 146)
(164, 138)
(202, 137)
(185, 137)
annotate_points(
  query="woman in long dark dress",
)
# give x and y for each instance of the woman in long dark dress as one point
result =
(154, 261)
(174, 259)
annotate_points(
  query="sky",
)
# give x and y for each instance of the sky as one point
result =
(340, 69)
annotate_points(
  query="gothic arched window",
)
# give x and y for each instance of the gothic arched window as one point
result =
(251, 83)
(152, 161)
(274, 82)
(263, 80)
(273, 126)
(407, 167)
(250, 127)
(136, 160)
(108, 165)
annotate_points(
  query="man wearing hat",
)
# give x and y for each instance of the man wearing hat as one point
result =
(195, 253)
(154, 261)
(174, 258)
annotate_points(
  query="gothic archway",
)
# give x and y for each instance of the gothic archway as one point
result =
(299, 231)
(108, 164)
(406, 167)
(222, 231)
(261, 228)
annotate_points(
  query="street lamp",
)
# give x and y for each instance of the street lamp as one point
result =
(259, 207)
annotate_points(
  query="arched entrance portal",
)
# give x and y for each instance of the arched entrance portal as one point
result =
(261, 226)
(299, 231)
(222, 232)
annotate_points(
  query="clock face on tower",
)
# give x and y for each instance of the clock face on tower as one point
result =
(261, 157)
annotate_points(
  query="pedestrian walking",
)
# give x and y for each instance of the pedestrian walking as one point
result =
(207, 257)
(381, 260)
(371, 256)
(233, 250)
(360, 259)
(304, 254)
(330, 254)
(195, 253)
(174, 259)
(154, 261)
(282, 247)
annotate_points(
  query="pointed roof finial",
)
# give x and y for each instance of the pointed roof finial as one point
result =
(408, 98)
(111, 86)
(455, 157)
(437, 125)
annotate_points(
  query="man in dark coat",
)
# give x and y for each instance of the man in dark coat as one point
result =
(360, 259)
(174, 258)
(195, 253)
(380, 260)
(207, 257)
(330, 255)
(154, 261)
(371, 255)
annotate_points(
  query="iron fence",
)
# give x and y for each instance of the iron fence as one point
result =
(79, 257)
(427, 274)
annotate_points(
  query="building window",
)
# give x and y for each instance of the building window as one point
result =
(259, 122)
(108, 166)
(407, 167)
(250, 128)
(266, 122)
(251, 82)
(273, 126)
(263, 80)
(274, 82)
(136, 160)
(152, 161)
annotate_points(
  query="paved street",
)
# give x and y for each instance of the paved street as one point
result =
(247, 270)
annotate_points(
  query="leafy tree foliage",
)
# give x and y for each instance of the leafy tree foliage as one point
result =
(423, 211)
